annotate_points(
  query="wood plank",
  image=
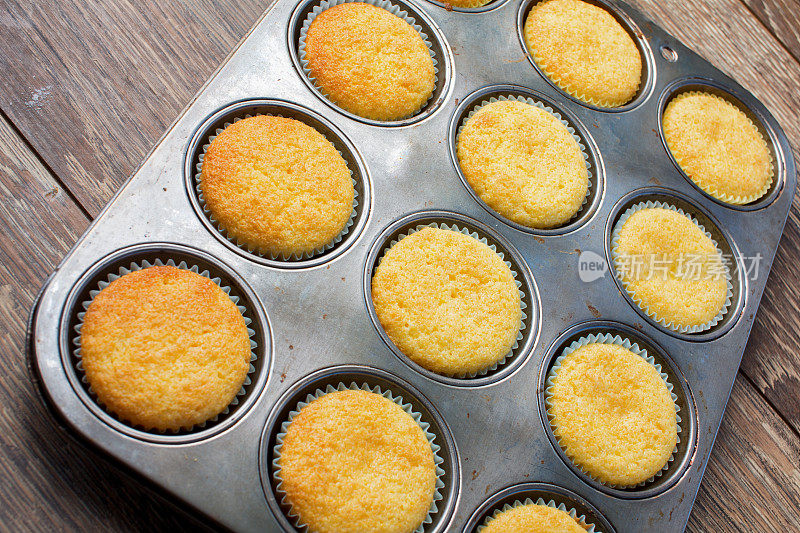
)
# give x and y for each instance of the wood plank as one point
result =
(729, 36)
(752, 482)
(49, 482)
(93, 85)
(782, 17)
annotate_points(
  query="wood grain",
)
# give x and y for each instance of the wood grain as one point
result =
(746, 487)
(728, 35)
(93, 85)
(782, 17)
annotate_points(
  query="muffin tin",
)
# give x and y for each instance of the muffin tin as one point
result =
(313, 318)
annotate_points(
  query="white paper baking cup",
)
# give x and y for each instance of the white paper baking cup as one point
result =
(708, 187)
(607, 338)
(407, 407)
(251, 249)
(615, 257)
(383, 4)
(514, 273)
(556, 114)
(571, 89)
(579, 518)
(134, 266)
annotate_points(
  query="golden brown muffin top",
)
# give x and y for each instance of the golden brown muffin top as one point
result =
(532, 518)
(355, 461)
(164, 348)
(613, 414)
(277, 185)
(670, 267)
(585, 51)
(369, 62)
(718, 147)
(524, 163)
(448, 301)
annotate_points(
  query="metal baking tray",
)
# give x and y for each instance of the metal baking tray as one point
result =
(313, 319)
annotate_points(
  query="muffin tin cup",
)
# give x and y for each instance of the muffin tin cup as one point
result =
(681, 458)
(223, 231)
(773, 188)
(645, 53)
(523, 304)
(709, 188)
(407, 407)
(246, 109)
(386, 5)
(360, 377)
(580, 519)
(608, 338)
(129, 262)
(528, 295)
(616, 258)
(540, 494)
(511, 96)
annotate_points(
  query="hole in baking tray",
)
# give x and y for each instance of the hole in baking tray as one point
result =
(724, 242)
(594, 162)
(738, 99)
(530, 293)
(346, 148)
(668, 53)
(372, 377)
(440, 52)
(151, 254)
(685, 402)
(585, 512)
(648, 63)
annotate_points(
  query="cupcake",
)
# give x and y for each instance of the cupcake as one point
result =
(585, 51)
(612, 413)
(447, 301)
(532, 518)
(354, 460)
(524, 163)
(368, 61)
(277, 187)
(670, 267)
(164, 348)
(718, 147)
(468, 4)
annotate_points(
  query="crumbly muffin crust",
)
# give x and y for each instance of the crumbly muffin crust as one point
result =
(355, 461)
(369, 62)
(277, 186)
(447, 301)
(164, 348)
(524, 163)
(613, 414)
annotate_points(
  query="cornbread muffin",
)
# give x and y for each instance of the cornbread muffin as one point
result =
(524, 163)
(277, 186)
(532, 518)
(353, 461)
(447, 301)
(369, 62)
(585, 51)
(671, 268)
(466, 3)
(164, 348)
(612, 414)
(718, 147)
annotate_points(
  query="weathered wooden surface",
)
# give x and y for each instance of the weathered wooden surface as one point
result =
(87, 88)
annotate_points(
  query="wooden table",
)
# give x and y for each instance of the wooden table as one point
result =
(87, 89)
